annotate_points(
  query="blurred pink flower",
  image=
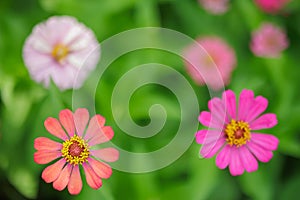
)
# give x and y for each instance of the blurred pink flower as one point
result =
(210, 61)
(75, 150)
(271, 6)
(232, 132)
(215, 6)
(268, 41)
(58, 49)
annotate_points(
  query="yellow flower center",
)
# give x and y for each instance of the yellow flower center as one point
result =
(237, 133)
(75, 150)
(59, 52)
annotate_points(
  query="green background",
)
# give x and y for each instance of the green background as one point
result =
(24, 104)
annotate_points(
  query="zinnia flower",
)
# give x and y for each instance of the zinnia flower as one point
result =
(215, 6)
(268, 41)
(58, 49)
(210, 61)
(75, 150)
(232, 133)
(271, 6)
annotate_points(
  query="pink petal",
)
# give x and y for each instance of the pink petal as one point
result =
(217, 110)
(92, 179)
(265, 121)
(44, 157)
(62, 181)
(206, 119)
(105, 135)
(248, 160)
(43, 143)
(260, 153)
(53, 126)
(101, 169)
(245, 102)
(235, 165)
(259, 106)
(75, 183)
(81, 118)
(95, 126)
(66, 119)
(208, 136)
(268, 142)
(230, 103)
(210, 149)
(52, 172)
(223, 158)
(107, 154)
(200, 135)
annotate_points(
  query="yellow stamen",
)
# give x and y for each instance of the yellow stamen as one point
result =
(75, 150)
(59, 52)
(237, 133)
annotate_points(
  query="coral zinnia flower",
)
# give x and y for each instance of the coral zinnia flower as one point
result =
(232, 134)
(268, 41)
(210, 61)
(58, 49)
(75, 150)
(271, 6)
(216, 7)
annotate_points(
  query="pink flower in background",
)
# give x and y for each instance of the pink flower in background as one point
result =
(268, 41)
(215, 6)
(58, 49)
(232, 133)
(210, 61)
(271, 6)
(75, 150)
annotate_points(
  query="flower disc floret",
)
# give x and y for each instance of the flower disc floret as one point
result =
(75, 150)
(237, 133)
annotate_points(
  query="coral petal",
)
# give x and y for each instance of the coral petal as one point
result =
(62, 181)
(75, 183)
(92, 179)
(81, 118)
(107, 154)
(52, 172)
(101, 169)
(95, 126)
(44, 157)
(43, 143)
(53, 126)
(105, 135)
(66, 119)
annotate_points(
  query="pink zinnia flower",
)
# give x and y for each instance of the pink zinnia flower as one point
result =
(271, 6)
(210, 61)
(215, 6)
(232, 132)
(57, 49)
(75, 150)
(268, 41)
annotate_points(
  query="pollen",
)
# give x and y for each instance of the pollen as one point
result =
(75, 150)
(237, 133)
(60, 52)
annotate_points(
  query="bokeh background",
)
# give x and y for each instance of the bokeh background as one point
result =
(25, 104)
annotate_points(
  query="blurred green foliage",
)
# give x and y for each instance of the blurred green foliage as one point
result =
(24, 104)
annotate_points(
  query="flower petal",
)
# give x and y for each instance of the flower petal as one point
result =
(230, 103)
(81, 118)
(235, 166)
(266, 141)
(75, 183)
(260, 105)
(62, 181)
(105, 135)
(95, 126)
(265, 121)
(66, 119)
(223, 158)
(52, 172)
(246, 100)
(92, 179)
(218, 112)
(208, 150)
(206, 119)
(248, 160)
(44, 157)
(43, 143)
(107, 154)
(53, 126)
(101, 169)
(260, 153)
(200, 135)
